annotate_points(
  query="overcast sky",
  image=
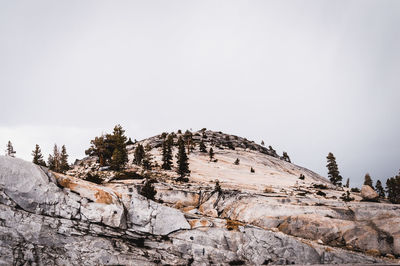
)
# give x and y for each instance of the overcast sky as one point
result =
(307, 77)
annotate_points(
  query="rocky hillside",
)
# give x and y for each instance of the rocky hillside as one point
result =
(266, 217)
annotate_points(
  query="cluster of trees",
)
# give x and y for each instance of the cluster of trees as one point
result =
(110, 148)
(392, 184)
(58, 161)
(143, 157)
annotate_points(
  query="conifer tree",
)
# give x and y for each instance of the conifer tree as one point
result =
(252, 170)
(333, 170)
(37, 156)
(348, 183)
(64, 166)
(262, 143)
(368, 180)
(120, 154)
(167, 154)
(202, 147)
(147, 161)
(393, 189)
(188, 139)
(379, 189)
(182, 159)
(102, 148)
(211, 154)
(237, 161)
(10, 150)
(139, 154)
(54, 160)
(148, 190)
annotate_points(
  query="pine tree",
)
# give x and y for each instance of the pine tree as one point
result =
(368, 180)
(348, 183)
(37, 156)
(188, 139)
(147, 161)
(120, 154)
(182, 159)
(203, 147)
(393, 189)
(10, 150)
(103, 148)
(54, 160)
(167, 154)
(262, 143)
(237, 161)
(211, 154)
(333, 170)
(64, 160)
(379, 189)
(148, 190)
(139, 154)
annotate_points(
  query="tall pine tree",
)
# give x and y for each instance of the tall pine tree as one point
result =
(37, 156)
(393, 189)
(54, 160)
(120, 154)
(167, 153)
(64, 166)
(333, 170)
(182, 159)
(379, 189)
(139, 154)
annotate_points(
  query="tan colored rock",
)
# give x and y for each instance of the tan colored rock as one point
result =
(368, 193)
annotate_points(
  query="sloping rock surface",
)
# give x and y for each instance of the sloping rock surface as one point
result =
(48, 219)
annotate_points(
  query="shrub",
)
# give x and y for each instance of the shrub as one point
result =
(128, 175)
(93, 178)
(148, 190)
(355, 189)
(252, 170)
(346, 197)
(302, 177)
(320, 186)
(320, 193)
(237, 162)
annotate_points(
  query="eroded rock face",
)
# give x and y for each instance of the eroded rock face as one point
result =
(65, 221)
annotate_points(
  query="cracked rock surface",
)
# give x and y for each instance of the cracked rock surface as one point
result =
(52, 219)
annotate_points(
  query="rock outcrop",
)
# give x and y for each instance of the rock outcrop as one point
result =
(52, 219)
(369, 194)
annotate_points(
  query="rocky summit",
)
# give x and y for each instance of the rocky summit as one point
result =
(244, 206)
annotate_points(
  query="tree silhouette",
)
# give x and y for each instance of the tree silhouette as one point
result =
(368, 180)
(37, 156)
(182, 159)
(333, 170)
(10, 150)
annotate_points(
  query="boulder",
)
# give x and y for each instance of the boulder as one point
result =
(150, 217)
(369, 194)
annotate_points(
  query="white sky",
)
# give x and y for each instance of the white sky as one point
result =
(307, 77)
